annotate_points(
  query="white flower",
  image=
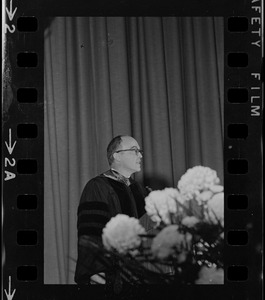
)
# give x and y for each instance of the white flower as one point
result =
(216, 208)
(122, 234)
(210, 276)
(190, 221)
(197, 180)
(161, 205)
(170, 241)
(217, 188)
(204, 196)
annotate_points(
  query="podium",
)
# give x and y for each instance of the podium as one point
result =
(149, 226)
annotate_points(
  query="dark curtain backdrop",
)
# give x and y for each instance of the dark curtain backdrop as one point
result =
(159, 79)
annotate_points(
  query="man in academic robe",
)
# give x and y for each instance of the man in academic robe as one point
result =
(111, 193)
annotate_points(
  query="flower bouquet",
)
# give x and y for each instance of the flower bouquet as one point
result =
(186, 243)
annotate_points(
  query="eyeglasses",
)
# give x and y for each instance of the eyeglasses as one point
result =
(136, 150)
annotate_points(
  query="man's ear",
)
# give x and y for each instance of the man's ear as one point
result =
(116, 156)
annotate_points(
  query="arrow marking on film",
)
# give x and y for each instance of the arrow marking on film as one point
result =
(9, 12)
(9, 146)
(9, 295)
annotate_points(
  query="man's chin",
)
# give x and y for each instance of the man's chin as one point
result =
(137, 170)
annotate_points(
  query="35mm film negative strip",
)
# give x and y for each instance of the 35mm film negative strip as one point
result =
(184, 78)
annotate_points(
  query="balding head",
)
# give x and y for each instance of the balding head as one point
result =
(124, 155)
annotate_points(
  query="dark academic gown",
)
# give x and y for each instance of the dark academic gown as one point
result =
(102, 199)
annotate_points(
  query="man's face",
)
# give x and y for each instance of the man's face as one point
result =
(130, 160)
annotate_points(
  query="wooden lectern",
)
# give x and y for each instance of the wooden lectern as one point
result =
(149, 226)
